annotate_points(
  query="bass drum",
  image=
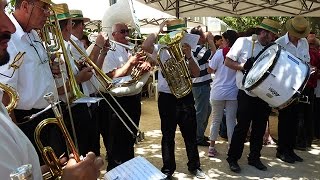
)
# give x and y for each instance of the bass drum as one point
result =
(277, 77)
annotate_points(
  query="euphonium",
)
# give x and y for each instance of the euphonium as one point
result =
(175, 69)
(47, 152)
(13, 95)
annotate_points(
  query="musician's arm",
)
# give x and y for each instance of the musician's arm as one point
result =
(125, 69)
(147, 45)
(233, 64)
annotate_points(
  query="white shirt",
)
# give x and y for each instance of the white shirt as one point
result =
(240, 52)
(224, 83)
(162, 83)
(34, 78)
(116, 59)
(88, 86)
(15, 148)
(300, 51)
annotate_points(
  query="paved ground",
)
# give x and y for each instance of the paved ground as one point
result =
(217, 168)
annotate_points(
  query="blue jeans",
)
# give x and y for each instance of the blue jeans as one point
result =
(201, 96)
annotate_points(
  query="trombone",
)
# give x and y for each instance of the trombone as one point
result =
(107, 84)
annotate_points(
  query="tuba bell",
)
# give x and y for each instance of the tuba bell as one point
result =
(175, 69)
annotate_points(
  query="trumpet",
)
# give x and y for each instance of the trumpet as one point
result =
(47, 152)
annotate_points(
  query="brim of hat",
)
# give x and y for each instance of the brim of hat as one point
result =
(274, 32)
(81, 18)
(294, 33)
(63, 18)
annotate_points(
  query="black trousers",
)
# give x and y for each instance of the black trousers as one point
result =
(293, 120)
(50, 135)
(180, 112)
(103, 115)
(85, 127)
(250, 110)
(316, 118)
(121, 141)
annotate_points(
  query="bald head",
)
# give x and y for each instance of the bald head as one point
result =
(119, 32)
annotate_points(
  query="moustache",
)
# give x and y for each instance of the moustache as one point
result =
(5, 36)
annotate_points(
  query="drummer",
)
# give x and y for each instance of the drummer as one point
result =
(251, 109)
(293, 41)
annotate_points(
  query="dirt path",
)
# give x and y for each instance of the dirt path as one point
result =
(217, 168)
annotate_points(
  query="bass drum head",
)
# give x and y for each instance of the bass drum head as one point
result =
(264, 62)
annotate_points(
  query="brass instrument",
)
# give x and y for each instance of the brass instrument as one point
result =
(175, 69)
(13, 95)
(54, 43)
(107, 86)
(47, 152)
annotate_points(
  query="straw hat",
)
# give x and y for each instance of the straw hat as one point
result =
(62, 11)
(46, 1)
(298, 27)
(77, 15)
(270, 25)
(176, 24)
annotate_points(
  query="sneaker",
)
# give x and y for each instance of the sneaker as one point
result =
(212, 152)
(199, 173)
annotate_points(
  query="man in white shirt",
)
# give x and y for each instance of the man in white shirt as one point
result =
(15, 148)
(293, 41)
(251, 109)
(97, 120)
(120, 63)
(34, 78)
(175, 111)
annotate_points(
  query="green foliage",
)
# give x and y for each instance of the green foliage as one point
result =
(10, 6)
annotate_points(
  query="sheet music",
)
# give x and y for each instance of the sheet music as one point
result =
(137, 168)
(87, 100)
(191, 39)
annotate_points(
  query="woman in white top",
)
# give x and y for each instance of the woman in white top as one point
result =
(224, 91)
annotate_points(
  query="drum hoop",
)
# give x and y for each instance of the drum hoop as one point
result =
(296, 95)
(265, 74)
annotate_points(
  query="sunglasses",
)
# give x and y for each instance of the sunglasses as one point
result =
(123, 31)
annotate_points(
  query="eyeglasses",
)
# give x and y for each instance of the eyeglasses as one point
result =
(123, 31)
(44, 9)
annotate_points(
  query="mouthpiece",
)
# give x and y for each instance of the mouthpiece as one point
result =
(49, 97)
(254, 37)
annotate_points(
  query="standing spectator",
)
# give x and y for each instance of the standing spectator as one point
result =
(201, 84)
(224, 91)
(218, 41)
(293, 41)
(251, 109)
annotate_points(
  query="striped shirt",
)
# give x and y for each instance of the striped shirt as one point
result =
(202, 55)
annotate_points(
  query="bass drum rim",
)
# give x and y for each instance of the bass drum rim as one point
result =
(265, 74)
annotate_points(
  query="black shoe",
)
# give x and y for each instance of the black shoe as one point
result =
(234, 166)
(203, 143)
(296, 157)
(168, 176)
(285, 157)
(258, 164)
(199, 173)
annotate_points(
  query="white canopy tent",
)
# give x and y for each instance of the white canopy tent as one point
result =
(216, 8)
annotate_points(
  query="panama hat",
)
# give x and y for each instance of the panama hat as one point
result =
(270, 25)
(298, 27)
(176, 24)
(62, 12)
(77, 15)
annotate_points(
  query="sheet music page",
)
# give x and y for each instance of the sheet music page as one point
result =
(191, 39)
(137, 168)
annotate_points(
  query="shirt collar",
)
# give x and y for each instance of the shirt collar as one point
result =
(286, 38)
(74, 38)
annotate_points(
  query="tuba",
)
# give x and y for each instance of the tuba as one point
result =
(175, 69)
